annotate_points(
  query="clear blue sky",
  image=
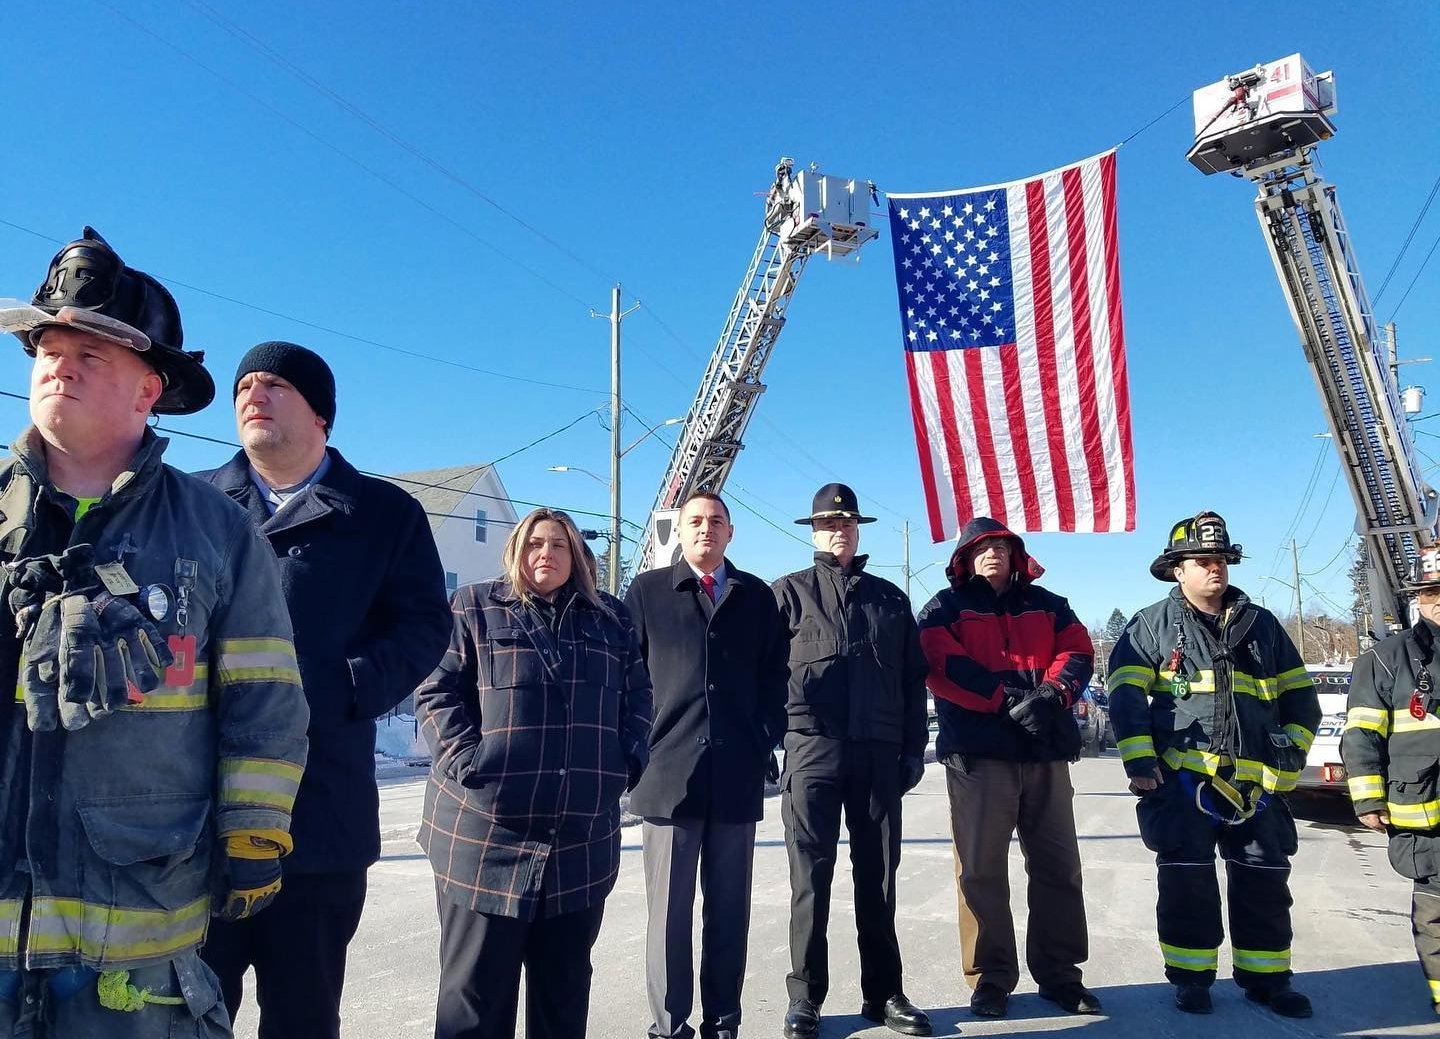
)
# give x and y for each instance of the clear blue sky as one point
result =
(640, 139)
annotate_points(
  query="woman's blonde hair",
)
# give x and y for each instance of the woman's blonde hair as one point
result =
(513, 558)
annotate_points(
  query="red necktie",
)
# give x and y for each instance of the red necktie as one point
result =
(707, 581)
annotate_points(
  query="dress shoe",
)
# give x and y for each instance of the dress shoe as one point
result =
(1193, 999)
(898, 1014)
(1073, 998)
(1284, 1000)
(989, 1000)
(802, 1020)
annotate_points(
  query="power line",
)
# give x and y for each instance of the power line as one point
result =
(293, 122)
(1434, 189)
(327, 329)
(449, 174)
(1423, 264)
(391, 478)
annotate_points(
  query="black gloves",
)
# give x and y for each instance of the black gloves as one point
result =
(772, 768)
(1038, 709)
(912, 770)
(633, 771)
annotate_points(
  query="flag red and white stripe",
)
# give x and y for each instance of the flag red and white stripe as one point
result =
(1025, 418)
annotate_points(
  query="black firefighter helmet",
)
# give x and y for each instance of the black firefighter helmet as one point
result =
(1202, 535)
(1424, 570)
(90, 289)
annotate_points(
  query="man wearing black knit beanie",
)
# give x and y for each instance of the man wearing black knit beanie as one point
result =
(366, 593)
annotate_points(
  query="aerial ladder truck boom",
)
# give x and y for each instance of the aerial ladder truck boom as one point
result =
(1264, 124)
(805, 213)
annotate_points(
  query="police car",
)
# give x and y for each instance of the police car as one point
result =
(1323, 772)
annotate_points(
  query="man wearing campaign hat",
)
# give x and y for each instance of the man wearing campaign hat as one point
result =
(150, 757)
(365, 588)
(1213, 713)
(855, 744)
(1391, 751)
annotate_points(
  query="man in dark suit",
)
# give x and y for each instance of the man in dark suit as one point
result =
(717, 653)
(363, 582)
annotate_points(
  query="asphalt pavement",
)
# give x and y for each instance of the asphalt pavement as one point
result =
(1353, 947)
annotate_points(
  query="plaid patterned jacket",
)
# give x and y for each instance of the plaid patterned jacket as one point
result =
(533, 736)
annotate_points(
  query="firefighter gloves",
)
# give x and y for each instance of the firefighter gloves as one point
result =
(253, 870)
(109, 651)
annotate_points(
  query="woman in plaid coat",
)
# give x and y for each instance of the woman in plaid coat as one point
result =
(538, 719)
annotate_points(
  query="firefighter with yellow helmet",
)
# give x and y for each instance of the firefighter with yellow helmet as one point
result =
(1391, 750)
(1213, 712)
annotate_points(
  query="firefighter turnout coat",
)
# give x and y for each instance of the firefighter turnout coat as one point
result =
(1240, 706)
(1392, 757)
(111, 836)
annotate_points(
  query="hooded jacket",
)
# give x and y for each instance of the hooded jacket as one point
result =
(1246, 709)
(111, 835)
(978, 641)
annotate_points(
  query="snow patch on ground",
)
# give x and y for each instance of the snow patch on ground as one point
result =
(398, 738)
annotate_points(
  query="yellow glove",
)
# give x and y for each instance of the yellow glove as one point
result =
(253, 874)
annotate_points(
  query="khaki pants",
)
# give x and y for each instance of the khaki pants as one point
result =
(990, 801)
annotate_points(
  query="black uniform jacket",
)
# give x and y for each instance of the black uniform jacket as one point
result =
(856, 668)
(366, 593)
(720, 677)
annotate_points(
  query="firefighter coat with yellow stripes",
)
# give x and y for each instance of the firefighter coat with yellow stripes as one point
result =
(111, 836)
(1240, 707)
(1392, 758)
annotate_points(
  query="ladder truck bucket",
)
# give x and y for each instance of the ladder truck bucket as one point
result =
(1263, 113)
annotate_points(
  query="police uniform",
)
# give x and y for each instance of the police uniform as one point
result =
(1222, 710)
(1391, 751)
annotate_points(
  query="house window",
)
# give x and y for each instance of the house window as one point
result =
(481, 533)
(452, 582)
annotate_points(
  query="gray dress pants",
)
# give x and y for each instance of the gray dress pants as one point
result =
(722, 855)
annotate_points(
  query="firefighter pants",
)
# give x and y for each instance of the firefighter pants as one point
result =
(1425, 919)
(823, 778)
(1257, 859)
(990, 801)
(183, 1000)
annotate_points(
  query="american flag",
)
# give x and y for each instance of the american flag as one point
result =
(1015, 351)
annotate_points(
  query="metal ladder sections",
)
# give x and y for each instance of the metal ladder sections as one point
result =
(725, 401)
(1312, 253)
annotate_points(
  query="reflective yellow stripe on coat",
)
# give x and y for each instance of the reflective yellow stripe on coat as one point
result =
(105, 934)
(268, 782)
(257, 660)
(1261, 962)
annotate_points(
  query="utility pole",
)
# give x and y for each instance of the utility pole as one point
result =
(1299, 613)
(615, 316)
(906, 569)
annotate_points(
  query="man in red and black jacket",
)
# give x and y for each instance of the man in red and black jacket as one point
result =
(1007, 659)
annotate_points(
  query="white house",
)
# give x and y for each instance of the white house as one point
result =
(470, 516)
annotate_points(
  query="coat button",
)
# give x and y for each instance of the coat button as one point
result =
(296, 552)
(714, 635)
(560, 772)
(711, 687)
(701, 740)
(552, 831)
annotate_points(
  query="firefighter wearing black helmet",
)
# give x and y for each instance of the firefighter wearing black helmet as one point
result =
(1391, 750)
(1213, 713)
(151, 750)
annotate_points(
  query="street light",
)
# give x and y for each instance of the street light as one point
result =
(641, 439)
(576, 469)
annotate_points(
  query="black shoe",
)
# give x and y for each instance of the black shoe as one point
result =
(1073, 998)
(898, 1014)
(1284, 1000)
(802, 1020)
(989, 1000)
(1193, 999)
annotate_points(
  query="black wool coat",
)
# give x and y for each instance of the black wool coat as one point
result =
(720, 675)
(366, 592)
